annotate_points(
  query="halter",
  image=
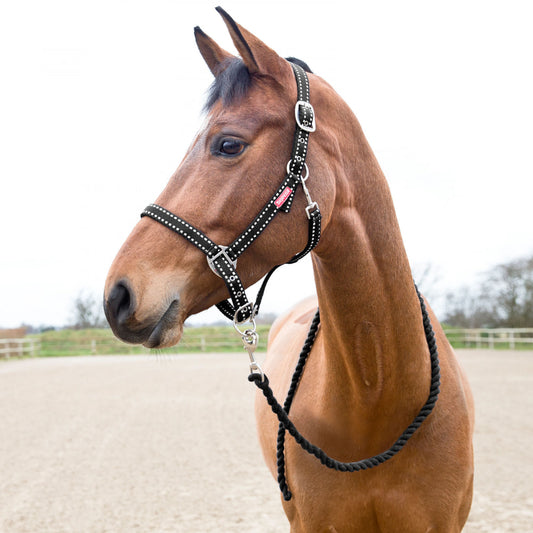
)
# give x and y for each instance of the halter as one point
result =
(223, 262)
(223, 259)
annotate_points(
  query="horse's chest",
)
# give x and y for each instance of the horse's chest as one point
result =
(354, 505)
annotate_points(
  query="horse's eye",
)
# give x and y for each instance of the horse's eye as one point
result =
(231, 147)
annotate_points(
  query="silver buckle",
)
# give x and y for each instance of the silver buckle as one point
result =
(305, 124)
(308, 209)
(210, 260)
(250, 319)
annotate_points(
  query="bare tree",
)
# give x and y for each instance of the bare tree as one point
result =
(427, 278)
(504, 298)
(510, 287)
(467, 308)
(87, 312)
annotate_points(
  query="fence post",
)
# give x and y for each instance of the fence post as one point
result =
(511, 340)
(202, 343)
(93, 347)
(5, 349)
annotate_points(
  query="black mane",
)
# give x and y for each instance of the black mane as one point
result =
(234, 81)
(300, 63)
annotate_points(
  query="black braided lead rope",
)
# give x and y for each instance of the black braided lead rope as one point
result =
(297, 375)
(262, 383)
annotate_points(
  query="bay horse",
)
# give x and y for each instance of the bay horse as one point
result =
(368, 371)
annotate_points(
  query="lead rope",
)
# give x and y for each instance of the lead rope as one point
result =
(285, 424)
(295, 381)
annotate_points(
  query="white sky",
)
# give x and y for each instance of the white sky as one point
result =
(100, 100)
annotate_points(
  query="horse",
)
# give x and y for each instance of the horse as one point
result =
(369, 371)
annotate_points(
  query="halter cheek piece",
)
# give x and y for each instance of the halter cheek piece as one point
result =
(223, 259)
(223, 262)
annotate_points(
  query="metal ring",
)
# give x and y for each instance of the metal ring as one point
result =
(305, 166)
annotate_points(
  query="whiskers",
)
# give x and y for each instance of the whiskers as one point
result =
(160, 356)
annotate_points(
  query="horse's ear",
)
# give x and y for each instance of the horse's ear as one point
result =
(257, 56)
(214, 56)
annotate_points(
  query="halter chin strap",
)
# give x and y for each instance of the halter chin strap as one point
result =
(223, 259)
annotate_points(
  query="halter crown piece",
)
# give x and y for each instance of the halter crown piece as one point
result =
(223, 262)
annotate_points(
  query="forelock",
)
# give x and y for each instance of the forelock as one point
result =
(230, 85)
(234, 81)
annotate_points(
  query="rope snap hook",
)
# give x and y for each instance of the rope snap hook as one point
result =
(250, 337)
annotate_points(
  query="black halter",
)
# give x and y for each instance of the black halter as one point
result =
(223, 259)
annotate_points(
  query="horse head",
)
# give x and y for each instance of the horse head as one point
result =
(233, 166)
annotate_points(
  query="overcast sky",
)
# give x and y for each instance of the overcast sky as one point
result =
(100, 100)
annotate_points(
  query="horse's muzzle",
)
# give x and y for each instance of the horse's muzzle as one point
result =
(120, 307)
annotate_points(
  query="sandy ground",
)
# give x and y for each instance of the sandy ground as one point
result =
(168, 444)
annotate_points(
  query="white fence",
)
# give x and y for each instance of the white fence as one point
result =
(503, 338)
(492, 338)
(19, 347)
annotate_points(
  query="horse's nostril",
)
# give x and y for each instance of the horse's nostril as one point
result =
(120, 304)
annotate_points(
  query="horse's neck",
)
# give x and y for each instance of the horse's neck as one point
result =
(374, 342)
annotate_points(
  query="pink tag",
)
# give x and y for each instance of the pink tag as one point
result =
(283, 197)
